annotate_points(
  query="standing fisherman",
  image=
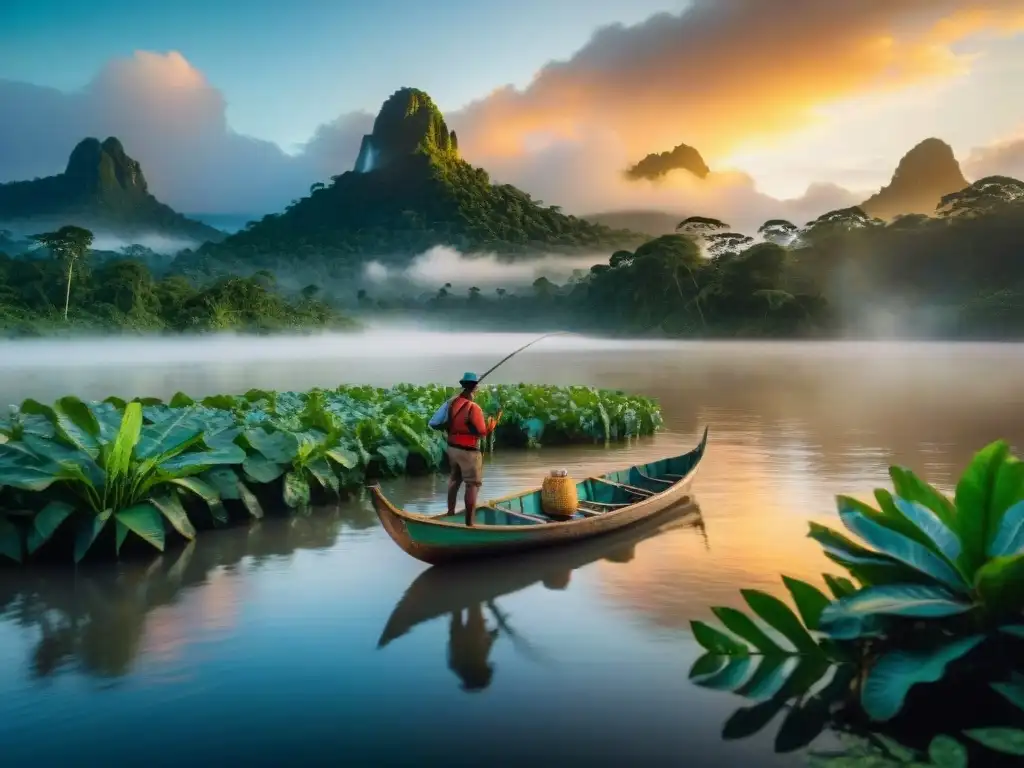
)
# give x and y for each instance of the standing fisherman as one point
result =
(466, 427)
(463, 421)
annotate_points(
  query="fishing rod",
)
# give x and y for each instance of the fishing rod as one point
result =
(505, 359)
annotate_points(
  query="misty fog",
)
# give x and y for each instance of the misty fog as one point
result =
(442, 264)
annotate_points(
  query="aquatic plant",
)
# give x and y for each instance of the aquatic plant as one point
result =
(936, 596)
(108, 466)
(135, 466)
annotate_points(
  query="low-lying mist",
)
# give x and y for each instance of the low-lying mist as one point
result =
(103, 240)
(442, 264)
(158, 243)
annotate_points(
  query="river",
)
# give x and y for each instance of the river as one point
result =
(289, 642)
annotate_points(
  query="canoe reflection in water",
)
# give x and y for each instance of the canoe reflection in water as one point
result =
(466, 592)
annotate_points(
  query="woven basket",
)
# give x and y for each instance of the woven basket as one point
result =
(558, 495)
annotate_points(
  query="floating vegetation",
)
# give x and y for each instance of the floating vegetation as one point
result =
(934, 613)
(76, 472)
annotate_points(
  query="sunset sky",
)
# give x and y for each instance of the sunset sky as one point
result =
(237, 107)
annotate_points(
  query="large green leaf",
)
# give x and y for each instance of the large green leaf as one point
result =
(974, 494)
(1009, 741)
(170, 507)
(224, 480)
(88, 530)
(717, 641)
(173, 434)
(77, 424)
(120, 455)
(889, 681)
(1012, 691)
(296, 490)
(221, 436)
(345, 458)
(67, 462)
(10, 540)
(396, 457)
(46, 523)
(145, 521)
(810, 600)
(779, 616)
(910, 600)
(887, 516)
(194, 462)
(207, 493)
(912, 488)
(1009, 488)
(180, 400)
(740, 624)
(17, 473)
(1000, 584)
(943, 539)
(321, 470)
(250, 501)
(1008, 538)
(901, 548)
(261, 469)
(839, 586)
(864, 564)
(278, 447)
(947, 752)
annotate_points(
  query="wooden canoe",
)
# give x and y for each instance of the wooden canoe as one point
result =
(440, 591)
(516, 523)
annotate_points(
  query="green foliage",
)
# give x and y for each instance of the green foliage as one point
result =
(933, 599)
(146, 467)
(123, 294)
(113, 465)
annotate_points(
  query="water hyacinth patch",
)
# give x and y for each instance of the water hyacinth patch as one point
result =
(937, 586)
(143, 468)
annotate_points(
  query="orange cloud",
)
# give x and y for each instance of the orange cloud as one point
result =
(725, 72)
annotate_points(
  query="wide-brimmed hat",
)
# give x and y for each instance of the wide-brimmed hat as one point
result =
(469, 379)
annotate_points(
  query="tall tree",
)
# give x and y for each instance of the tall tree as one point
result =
(68, 244)
(699, 227)
(779, 231)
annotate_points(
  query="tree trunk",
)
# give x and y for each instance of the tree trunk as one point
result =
(67, 292)
(696, 297)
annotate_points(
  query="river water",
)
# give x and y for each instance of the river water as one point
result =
(315, 641)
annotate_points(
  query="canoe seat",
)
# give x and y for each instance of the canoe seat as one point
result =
(642, 492)
(655, 479)
(520, 515)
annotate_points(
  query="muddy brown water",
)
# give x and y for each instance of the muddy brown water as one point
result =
(290, 641)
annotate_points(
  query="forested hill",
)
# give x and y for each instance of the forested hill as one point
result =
(101, 189)
(410, 190)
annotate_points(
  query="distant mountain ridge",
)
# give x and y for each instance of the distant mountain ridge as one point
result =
(410, 190)
(101, 188)
(924, 175)
(659, 164)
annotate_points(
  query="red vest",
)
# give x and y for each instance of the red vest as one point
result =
(458, 424)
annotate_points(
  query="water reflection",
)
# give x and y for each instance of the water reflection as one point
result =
(463, 591)
(100, 622)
